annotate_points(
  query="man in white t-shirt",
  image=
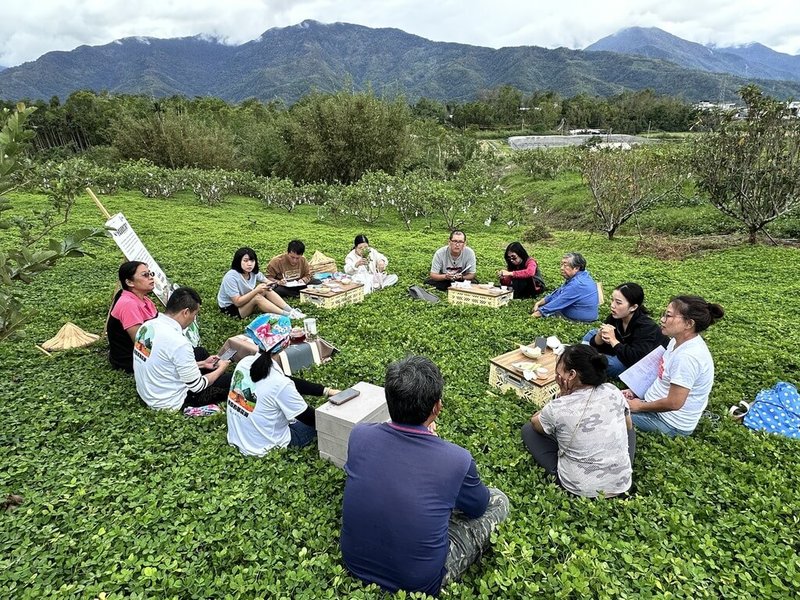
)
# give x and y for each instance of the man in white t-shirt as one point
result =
(454, 262)
(167, 375)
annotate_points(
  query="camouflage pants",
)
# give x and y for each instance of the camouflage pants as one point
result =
(469, 537)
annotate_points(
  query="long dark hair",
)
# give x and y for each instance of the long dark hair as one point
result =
(127, 270)
(590, 365)
(634, 294)
(261, 367)
(360, 239)
(520, 251)
(236, 263)
(703, 313)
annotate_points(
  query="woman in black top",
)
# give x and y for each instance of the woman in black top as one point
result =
(628, 334)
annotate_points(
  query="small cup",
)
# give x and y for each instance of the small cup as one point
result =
(504, 288)
(310, 327)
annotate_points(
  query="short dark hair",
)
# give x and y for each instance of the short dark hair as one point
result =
(520, 251)
(456, 232)
(182, 298)
(127, 270)
(634, 294)
(576, 260)
(703, 313)
(590, 365)
(296, 247)
(413, 386)
(360, 239)
(236, 263)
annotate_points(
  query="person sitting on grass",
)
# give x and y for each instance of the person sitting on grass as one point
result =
(167, 374)
(521, 273)
(367, 266)
(245, 289)
(266, 409)
(291, 270)
(629, 333)
(584, 437)
(675, 401)
(130, 308)
(576, 299)
(415, 513)
(454, 262)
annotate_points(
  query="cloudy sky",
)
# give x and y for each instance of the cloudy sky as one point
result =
(29, 29)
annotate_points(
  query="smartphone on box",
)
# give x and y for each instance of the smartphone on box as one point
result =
(343, 396)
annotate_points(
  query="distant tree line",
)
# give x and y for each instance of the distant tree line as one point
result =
(324, 137)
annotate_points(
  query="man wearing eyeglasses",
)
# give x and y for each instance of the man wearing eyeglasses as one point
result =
(454, 262)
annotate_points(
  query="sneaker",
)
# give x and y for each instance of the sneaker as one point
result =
(296, 314)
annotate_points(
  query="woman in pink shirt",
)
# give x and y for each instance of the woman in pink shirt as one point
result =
(521, 273)
(131, 307)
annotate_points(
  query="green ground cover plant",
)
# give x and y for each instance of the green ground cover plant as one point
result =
(123, 502)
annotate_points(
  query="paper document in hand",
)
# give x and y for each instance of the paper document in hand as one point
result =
(294, 283)
(641, 375)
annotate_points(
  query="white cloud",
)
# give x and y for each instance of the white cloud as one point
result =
(28, 30)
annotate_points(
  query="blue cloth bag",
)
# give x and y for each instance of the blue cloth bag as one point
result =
(776, 410)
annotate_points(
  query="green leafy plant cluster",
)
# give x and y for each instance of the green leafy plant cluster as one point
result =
(122, 502)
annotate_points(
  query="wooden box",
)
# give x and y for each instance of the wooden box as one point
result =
(505, 375)
(324, 297)
(334, 423)
(479, 295)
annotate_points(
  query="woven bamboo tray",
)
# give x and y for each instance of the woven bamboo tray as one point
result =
(476, 295)
(504, 376)
(352, 293)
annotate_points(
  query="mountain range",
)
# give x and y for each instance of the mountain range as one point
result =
(287, 63)
(749, 61)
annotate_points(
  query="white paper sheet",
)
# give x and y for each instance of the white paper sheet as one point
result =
(641, 375)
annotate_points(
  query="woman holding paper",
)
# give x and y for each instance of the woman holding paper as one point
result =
(367, 266)
(675, 401)
(584, 437)
(629, 333)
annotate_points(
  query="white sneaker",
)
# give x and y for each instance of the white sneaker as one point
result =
(296, 314)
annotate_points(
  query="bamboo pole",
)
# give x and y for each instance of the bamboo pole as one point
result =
(98, 203)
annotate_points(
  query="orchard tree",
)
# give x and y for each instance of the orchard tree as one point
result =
(20, 264)
(750, 168)
(624, 183)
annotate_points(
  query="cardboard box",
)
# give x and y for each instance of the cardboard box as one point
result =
(334, 423)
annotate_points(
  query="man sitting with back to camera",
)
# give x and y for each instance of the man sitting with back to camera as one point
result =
(454, 262)
(167, 374)
(415, 513)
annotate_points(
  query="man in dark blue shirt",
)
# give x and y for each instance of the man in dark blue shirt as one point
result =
(403, 484)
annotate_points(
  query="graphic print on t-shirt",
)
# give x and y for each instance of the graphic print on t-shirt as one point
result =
(144, 342)
(241, 397)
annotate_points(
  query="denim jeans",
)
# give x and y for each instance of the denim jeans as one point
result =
(302, 434)
(651, 421)
(615, 366)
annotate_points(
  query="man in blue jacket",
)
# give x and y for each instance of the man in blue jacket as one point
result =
(415, 513)
(576, 299)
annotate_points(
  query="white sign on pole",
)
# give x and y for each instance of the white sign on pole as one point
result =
(133, 249)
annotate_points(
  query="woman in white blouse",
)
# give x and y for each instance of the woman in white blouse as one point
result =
(368, 266)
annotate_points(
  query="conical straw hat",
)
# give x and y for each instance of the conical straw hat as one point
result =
(70, 336)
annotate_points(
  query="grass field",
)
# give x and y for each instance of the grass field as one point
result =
(123, 502)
